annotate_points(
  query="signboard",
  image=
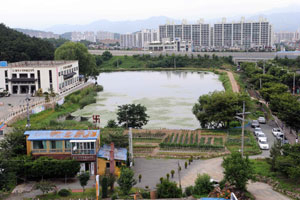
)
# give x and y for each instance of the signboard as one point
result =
(96, 119)
(84, 157)
(3, 63)
(38, 109)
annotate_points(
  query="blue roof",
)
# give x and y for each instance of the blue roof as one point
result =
(212, 198)
(63, 134)
(120, 153)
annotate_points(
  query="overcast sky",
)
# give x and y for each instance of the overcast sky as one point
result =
(40, 14)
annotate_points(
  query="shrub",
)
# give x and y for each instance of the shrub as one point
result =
(104, 187)
(145, 194)
(189, 190)
(168, 189)
(64, 193)
(202, 185)
(172, 173)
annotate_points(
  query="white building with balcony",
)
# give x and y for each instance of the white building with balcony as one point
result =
(27, 77)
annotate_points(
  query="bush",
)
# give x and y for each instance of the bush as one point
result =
(145, 194)
(189, 190)
(202, 185)
(64, 193)
(168, 189)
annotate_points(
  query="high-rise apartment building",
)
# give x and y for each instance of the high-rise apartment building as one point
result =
(242, 35)
(138, 39)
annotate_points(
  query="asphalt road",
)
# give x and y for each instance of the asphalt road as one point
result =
(267, 129)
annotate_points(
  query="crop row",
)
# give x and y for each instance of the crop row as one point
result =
(190, 146)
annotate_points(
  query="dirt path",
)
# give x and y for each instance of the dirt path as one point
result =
(234, 85)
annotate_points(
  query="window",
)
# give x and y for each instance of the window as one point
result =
(67, 144)
(118, 164)
(56, 145)
(14, 75)
(39, 144)
(107, 165)
(83, 148)
(6, 74)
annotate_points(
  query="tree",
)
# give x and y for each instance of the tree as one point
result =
(270, 89)
(13, 144)
(172, 173)
(132, 115)
(77, 51)
(118, 138)
(203, 185)
(104, 184)
(126, 180)
(45, 186)
(84, 177)
(111, 124)
(106, 55)
(218, 109)
(237, 170)
(16, 46)
(168, 189)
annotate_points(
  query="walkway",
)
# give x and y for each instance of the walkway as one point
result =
(234, 84)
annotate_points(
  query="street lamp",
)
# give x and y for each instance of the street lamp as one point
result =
(28, 117)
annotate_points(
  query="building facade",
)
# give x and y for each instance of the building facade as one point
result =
(167, 45)
(81, 145)
(27, 77)
(221, 36)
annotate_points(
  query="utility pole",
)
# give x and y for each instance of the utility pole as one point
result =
(28, 116)
(294, 83)
(264, 71)
(179, 175)
(243, 124)
(259, 83)
(130, 145)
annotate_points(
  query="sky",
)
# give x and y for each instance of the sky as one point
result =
(40, 14)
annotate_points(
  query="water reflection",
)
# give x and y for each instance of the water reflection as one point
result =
(168, 95)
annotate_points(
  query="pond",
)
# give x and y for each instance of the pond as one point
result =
(168, 95)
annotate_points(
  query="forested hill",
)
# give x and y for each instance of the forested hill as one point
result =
(16, 46)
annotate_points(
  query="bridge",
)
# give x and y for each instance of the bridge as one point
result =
(236, 56)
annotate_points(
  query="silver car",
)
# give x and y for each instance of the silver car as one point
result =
(255, 124)
(262, 120)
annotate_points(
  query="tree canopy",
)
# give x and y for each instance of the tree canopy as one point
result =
(126, 180)
(218, 109)
(237, 170)
(132, 115)
(16, 46)
(77, 51)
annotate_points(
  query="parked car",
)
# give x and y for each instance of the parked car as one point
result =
(214, 182)
(257, 130)
(261, 120)
(276, 132)
(261, 135)
(283, 139)
(263, 144)
(254, 124)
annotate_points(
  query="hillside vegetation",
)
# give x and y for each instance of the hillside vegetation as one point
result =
(16, 46)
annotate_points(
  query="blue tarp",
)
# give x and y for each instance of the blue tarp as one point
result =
(63, 134)
(120, 153)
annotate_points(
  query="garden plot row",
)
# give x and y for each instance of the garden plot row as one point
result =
(193, 141)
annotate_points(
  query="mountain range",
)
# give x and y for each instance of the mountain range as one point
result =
(283, 19)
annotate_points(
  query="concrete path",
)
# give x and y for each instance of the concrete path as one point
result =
(263, 191)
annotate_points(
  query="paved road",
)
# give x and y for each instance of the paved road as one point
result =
(235, 55)
(263, 191)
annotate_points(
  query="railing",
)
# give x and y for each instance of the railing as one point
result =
(84, 152)
(55, 150)
(39, 151)
(23, 109)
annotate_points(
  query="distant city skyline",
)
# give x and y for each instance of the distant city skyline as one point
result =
(36, 15)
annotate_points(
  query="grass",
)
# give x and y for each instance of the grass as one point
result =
(89, 193)
(48, 119)
(263, 168)
(202, 140)
(233, 142)
(223, 77)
